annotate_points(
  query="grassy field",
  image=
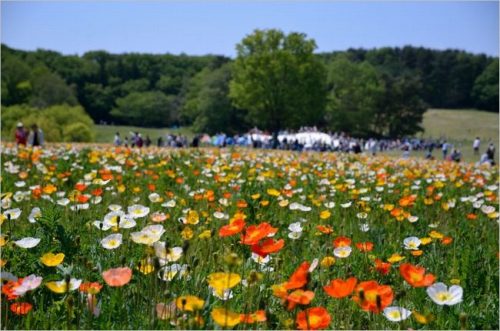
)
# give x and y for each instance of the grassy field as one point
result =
(106, 133)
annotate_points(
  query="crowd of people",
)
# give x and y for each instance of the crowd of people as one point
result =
(311, 139)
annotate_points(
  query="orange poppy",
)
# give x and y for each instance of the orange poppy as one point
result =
(258, 316)
(365, 246)
(447, 240)
(339, 288)
(268, 246)
(117, 277)
(241, 204)
(96, 192)
(341, 242)
(371, 296)
(471, 216)
(415, 275)
(324, 229)
(80, 187)
(20, 308)
(91, 288)
(10, 286)
(299, 278)
(313, 319)
(382, 267)
(232, 228)
(254, 233)
(299, 297)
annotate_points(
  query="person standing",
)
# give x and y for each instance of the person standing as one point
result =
(491, 152)
(444, 149)
(118, 140)
(21, 134)
(35, 137)
(475, 145)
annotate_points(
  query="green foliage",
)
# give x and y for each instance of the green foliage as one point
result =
(49, 89)
(355, 92)
(279, 80)
(208, 105)
(77, 132)
(485, 90)
(153, 109)
(58, 123)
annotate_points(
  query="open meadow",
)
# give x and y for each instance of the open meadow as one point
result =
(107, 238)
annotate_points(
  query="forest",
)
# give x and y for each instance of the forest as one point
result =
(376, 92)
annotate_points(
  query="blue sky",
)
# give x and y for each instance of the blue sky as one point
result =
(215, 27)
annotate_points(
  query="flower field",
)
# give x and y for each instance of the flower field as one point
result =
(104, 238)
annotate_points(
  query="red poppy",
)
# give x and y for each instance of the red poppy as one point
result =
(339, 288)
(365, 246)
(341, 242)
(299, 278)
(254, 233)
(268, 246)
(382, 267)
(20, 308)
(97, 192)
(232, 228)
(415, 275)
(371, 296)
(9, 287)
(313, 319)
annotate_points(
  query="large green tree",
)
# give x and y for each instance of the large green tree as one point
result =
(485, 91)
(279, 80)
(355, 90)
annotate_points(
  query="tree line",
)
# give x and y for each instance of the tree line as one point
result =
(276, 81)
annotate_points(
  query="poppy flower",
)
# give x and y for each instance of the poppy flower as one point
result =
(441, 295)
(415, 275)
(339, 288)
(221, 281)
(21, 308)
(382, 267)
(268, 246)
(51, 259)
(234, 227)
(254, 233)
(62, 286)
(225, 318)
(341, 242)
(258, 316)
(117, 277)
(365, 246)
(396, 314)
(300, 297)
(90, 288)
(166, 311)
(9, 288)
(189, 303)
(313, 319)
(28, 242)
(324, 229)
(299, 278)
(371, 296)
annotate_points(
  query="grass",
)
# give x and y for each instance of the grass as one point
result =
(106, 133)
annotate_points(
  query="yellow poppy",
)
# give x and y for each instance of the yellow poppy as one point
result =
(225, 318)
(51, 259)
(189, 303)
(221, 281)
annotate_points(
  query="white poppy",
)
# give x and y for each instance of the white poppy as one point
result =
(154, 230)
(228, 294)
(441, 295)
(261, 260)
(115, 207)
(169, 272)
(154, 198)
(295, 227)
(126, 222)
(34, 214)
(412, 243)
(342, 252)
(20, 184)
(364, 227)
(13, 213)
(28, 242)
(112, 218)
(101, 225)
(346, 205)
(487, 209)
(138, 211)
(144, 238)
(294, 235)
(112, 241)
(169, 204)
(412, 219)
(63, 202)
(362, 215)
(219, 215)
(330, 205)
(396, 314)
